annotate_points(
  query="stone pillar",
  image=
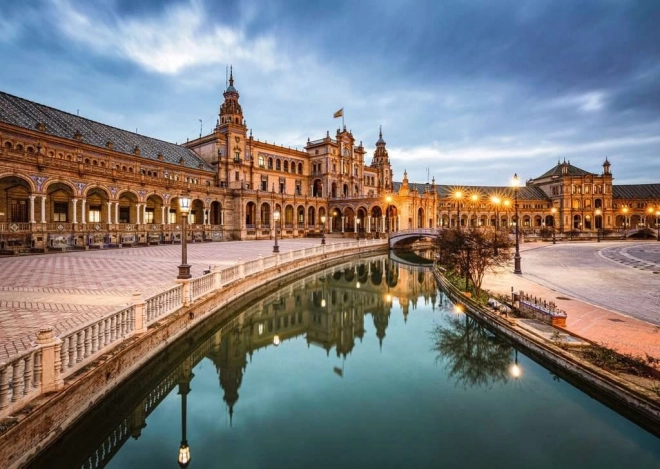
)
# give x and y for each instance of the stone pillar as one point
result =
(383, 228)
(342, 223)
(116, 213)
(368, 223)
(140, 322)
(75, 211)
(51, 379)
(163, 219)
(43, 209)
(83, 218)
(109, 213)
(32, 220)
(185, 295)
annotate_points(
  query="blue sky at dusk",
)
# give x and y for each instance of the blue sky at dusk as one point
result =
(473, 90)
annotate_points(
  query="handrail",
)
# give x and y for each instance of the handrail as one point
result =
(53, 358)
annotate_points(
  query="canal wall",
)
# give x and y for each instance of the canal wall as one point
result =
(47, 416)
(632, 401)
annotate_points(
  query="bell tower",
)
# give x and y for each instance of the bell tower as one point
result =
(234, 162)
(381, 161)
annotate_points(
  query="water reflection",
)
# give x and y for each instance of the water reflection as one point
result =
(276, 365)
(472, 355)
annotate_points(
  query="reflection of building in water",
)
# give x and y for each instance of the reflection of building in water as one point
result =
(328, 308)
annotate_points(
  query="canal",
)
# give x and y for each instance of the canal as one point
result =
(366, 364)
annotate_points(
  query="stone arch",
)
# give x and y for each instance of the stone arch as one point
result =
(250, 214)
(300, 216)
(215, 213)
(288, 216)
(311, 216)
(50, 182)
(265, 211)
(23, 179)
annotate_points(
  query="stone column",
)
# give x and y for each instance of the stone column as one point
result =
(342, 223)
(83, 218)
(116, 213)
(163, 219)
(138, 207)
(75, 211)
(32, 220)
(43, 209)
(383, 228)
(109, 213)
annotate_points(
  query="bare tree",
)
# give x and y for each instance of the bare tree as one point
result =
(472, 253)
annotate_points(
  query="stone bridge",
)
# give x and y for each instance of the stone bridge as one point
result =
(404, 237)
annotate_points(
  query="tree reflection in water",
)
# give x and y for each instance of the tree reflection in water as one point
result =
(472, 356)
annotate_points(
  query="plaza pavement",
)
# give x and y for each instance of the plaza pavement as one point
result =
(614, 292)
(610, 290)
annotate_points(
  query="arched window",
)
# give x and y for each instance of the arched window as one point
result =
(286, 166)
(278, 164)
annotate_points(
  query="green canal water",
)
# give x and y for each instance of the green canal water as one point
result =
(363, 365)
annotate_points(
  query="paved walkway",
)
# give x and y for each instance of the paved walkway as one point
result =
(615, 294)
(67, 289)
(610, 290)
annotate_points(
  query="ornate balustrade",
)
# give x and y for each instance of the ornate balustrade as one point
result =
(52, 359)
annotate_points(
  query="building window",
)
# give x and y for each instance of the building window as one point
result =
(172, 216)
(94, 215)
(124, 214)
(270, 163)
(261, 161)
(149, 215)
(60, 211)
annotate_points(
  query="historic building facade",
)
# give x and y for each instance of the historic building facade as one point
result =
(71, 183)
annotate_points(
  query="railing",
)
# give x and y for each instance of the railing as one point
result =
(53, 359)
(78, 347)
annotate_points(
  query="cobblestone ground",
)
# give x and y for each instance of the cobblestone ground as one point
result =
(68, 289)
(611, 291)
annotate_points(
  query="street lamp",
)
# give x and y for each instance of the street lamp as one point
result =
(496, 202)
(474, 198)
(599, 223)
(458, 195)
(656, 212)
(624, 210)
(516, 259)
(553, 210)
(388, 199)
(322, 229)
(184, 268)
(276, 218)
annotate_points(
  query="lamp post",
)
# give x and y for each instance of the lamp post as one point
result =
(656, 212)
(357, 228)
(388, 199)
(276, 218)
(553, 210)
(516, 258)
(458, 195)
(184, 268)
(496, 202)
(599, 223)
(322, 229)
(624, 210)
(515, 368)
(474, 198)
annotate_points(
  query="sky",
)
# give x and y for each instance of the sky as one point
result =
(468, 92)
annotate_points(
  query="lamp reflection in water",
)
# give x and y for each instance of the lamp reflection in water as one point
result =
(515, 369)
(184, 388)
(276, 340)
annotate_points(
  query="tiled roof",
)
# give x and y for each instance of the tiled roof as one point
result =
(570, 171)
(27, 114)
(636, 191)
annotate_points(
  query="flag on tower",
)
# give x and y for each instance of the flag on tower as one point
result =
(339, 113)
